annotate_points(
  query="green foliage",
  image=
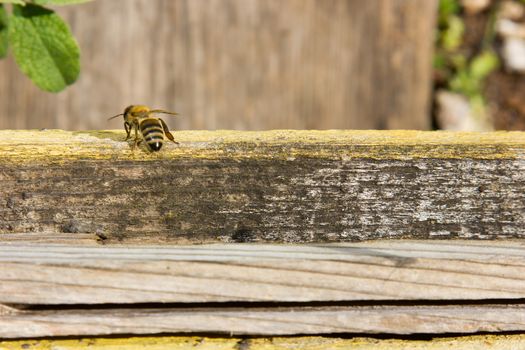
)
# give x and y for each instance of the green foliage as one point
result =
(58, 2)
(43, 47)
(463, 72)
(469, 77)
(19, 2)
(3, 31)
(41, 42)
(451, 27)
(446, 9)
(452, 37)
(483, 64)
(440, 61)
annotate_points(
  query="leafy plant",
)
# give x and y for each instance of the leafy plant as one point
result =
(451, 27)
(41, 42)
(464, 72)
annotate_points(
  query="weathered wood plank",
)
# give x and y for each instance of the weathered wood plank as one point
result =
(267, 321)
(277, 186)
(391, 270)
(471, 342)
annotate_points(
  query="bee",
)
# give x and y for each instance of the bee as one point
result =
(152, 130)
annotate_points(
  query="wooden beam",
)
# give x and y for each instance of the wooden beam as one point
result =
(384, 270)
(275, 186)
(266, 321)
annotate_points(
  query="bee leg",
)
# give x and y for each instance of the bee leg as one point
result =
(128, 130)
(136, 141)
(167, 132)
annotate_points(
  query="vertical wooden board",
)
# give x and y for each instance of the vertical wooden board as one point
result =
(403, 49)
(22, 105)
(240, 64)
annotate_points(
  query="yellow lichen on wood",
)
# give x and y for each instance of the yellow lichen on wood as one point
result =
(131, 343)
(59, 145)
(492, 342)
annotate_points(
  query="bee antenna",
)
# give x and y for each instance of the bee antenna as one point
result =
(162, 111)
(118, 115)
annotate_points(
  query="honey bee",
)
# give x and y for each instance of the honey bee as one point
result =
(151, 129)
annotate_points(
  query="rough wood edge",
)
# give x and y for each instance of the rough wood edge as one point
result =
(76, 239)
(57, 145)
(493, 342)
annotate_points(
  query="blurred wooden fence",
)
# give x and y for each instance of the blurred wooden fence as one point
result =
(240, 64)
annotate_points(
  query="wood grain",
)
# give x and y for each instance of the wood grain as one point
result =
(38, 273)
(240, 64)
(267, 321)
(275, 186)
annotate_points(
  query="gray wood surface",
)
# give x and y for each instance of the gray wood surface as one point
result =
(240, 64)
(267, 321)
(38, 273)
(278, 186)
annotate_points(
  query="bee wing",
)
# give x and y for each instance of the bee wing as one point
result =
(162, 111)
(166, 131)
(118, 115)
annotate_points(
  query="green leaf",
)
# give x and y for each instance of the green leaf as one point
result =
(483, 64)
(44, 2)
(3, 31)
(447, 8)
(19, 2)
(458, 61)
(439, 61)
(478, 104)
(58, 2)
(464, 84)
(453, 35)
(43, 47)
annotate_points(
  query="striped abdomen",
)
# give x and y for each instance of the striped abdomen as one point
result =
(152, 132)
